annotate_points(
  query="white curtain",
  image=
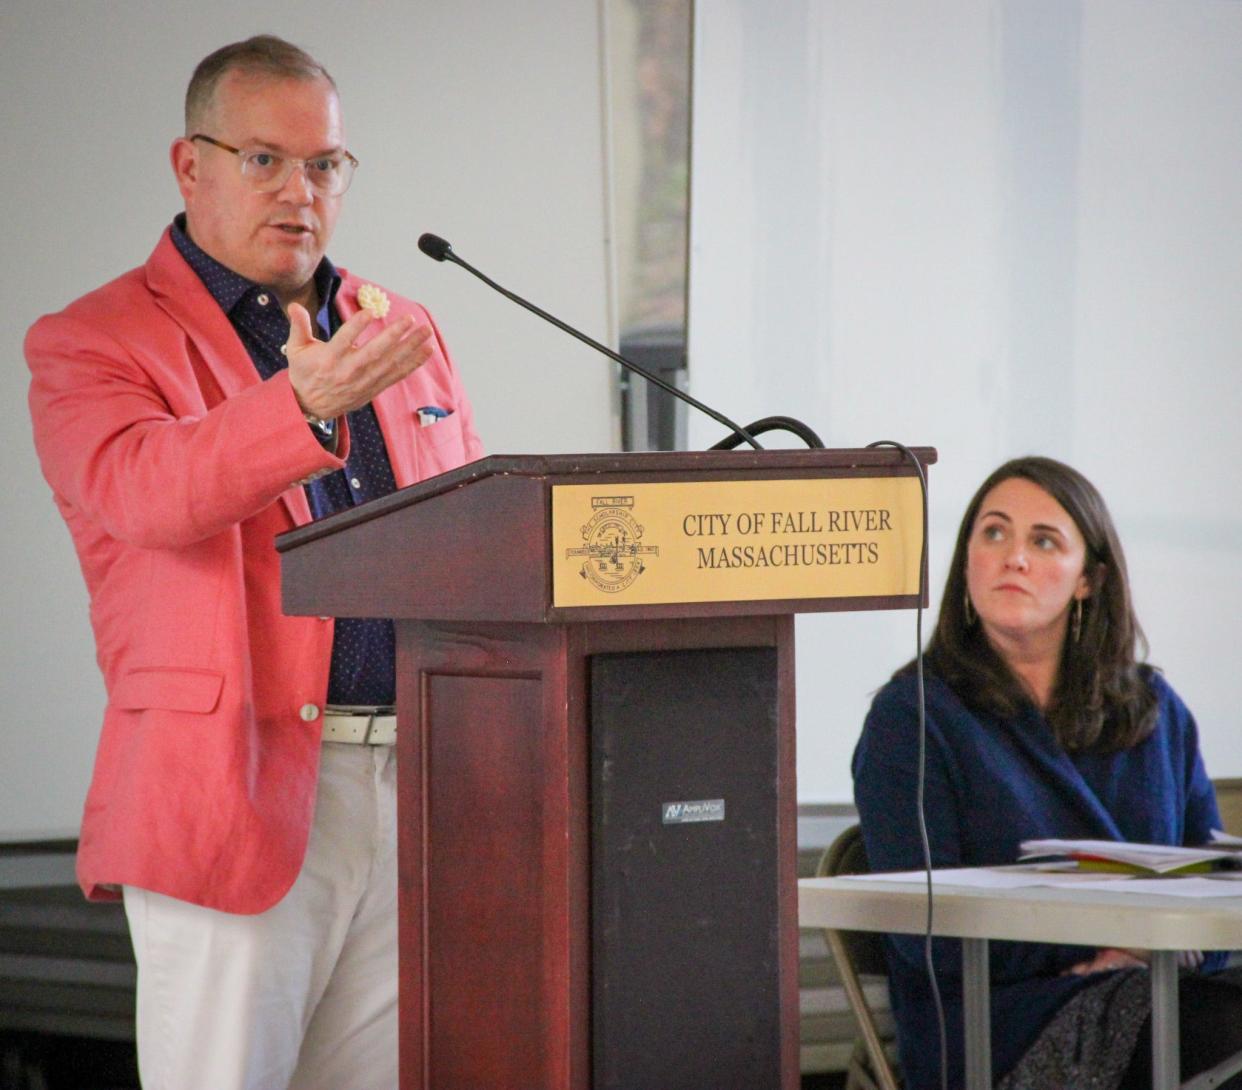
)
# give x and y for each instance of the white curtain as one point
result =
(996, 228)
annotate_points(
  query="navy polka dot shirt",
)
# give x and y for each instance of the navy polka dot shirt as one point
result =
(363, 651)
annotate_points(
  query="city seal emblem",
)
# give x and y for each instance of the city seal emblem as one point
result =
(613, 554)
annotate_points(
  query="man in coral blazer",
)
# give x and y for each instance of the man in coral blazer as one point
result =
(178, 445)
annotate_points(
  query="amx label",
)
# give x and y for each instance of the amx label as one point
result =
(682, 813)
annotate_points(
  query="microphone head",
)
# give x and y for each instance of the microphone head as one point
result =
(434, 246)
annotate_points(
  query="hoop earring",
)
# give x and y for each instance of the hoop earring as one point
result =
(1076, 620)
(968, 609)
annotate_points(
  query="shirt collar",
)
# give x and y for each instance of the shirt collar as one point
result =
(228, 288)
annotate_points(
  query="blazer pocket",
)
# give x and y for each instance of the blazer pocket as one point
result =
(443, 438)
(177, 689)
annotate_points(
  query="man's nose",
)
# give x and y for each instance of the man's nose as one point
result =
(297, 188)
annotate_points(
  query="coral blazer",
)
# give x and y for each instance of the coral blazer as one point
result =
(174, 466)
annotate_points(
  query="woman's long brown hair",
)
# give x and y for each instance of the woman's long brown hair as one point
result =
(1101, 700)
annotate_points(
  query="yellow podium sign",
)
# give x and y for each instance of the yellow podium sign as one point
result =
(750, 540)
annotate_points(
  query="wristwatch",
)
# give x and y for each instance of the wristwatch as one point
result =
(325, 429)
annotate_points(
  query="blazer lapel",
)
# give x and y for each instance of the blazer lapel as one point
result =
(183, 296)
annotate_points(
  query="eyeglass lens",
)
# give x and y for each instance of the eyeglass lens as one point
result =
(329, 174)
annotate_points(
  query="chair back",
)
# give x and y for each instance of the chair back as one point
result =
(1229, 801)
(858, 952)
(848, 855)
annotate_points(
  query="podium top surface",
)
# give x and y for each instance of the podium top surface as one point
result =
(656, 465)
(548, 538)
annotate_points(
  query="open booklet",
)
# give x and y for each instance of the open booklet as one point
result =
(1225, 853)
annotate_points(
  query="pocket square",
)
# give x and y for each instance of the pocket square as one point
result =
(431, 414)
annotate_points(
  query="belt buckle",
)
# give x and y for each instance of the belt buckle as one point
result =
(371, 715)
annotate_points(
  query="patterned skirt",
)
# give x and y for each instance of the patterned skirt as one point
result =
(1089, 1043)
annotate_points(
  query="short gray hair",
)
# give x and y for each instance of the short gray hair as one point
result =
(262, 55)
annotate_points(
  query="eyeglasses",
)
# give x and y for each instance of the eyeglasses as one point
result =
(267, 172)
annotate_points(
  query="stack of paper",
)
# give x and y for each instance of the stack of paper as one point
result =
(1115, 855)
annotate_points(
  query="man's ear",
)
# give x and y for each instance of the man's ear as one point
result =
(184, 158)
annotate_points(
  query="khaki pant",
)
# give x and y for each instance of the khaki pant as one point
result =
(302, 996)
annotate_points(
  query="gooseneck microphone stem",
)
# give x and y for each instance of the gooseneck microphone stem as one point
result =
(435, 247)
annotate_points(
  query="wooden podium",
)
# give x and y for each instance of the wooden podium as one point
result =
(596, 748)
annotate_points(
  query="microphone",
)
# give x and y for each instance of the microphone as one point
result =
(434, 246)
(440, 250)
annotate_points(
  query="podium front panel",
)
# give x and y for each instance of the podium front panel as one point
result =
(684, 849)
(486, 818)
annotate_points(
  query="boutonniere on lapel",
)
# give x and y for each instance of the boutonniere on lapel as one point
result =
(373, 300)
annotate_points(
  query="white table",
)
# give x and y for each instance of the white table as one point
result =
(1160, 924)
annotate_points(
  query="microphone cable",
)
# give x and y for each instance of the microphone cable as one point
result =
(922, 767)
(774, 423)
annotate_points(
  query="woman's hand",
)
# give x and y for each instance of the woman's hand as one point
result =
(1186, 959)
(1107, 961)
(1111, 959)
(1189, 959)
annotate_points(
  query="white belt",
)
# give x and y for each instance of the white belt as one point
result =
(369, 728)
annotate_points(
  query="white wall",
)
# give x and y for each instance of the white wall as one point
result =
(992, 227)
(996, 228)
(476, 120)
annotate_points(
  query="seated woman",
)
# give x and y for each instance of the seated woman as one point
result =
(1040, 723)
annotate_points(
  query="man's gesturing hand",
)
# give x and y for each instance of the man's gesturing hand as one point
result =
(333, 377)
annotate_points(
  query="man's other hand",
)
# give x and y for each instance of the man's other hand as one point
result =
(330, 378)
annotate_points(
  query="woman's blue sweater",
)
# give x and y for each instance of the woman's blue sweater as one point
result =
(991, 784)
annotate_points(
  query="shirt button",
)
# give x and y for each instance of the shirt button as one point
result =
(263, 299)
(309, 713)
(354, 482)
